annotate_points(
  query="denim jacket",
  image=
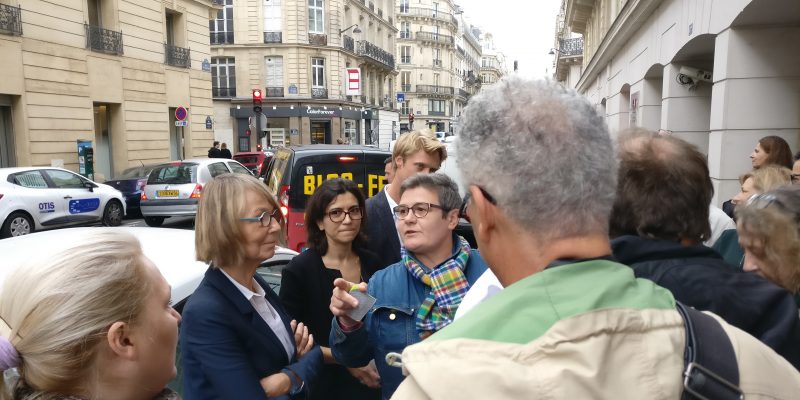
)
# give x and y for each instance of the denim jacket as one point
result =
(390, 325)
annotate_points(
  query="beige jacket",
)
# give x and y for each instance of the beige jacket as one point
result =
(603, 354)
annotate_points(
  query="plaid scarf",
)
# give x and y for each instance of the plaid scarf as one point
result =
(448, 286)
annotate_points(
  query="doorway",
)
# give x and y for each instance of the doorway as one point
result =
(103, 159)
(7, 158)
(320, 132)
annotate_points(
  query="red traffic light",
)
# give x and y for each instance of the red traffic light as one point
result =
(257, 95)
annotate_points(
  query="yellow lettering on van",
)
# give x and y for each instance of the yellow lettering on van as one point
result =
(374, 184)
(331, 176)
(308, 185)
(347, 175)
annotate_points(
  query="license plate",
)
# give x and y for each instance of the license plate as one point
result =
(167, 193)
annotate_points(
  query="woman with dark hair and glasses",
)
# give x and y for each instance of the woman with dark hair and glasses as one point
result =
(336, 249)
(769, 232)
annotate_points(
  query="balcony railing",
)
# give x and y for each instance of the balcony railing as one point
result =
(103, 40)
(223, 92)
(274, 91)
(463, 93)
(349, 44)
(437, 63)
(436, 113)
(10, 19)
(428, 13)
(221, 37)
(273, 37)
(218, 2)
(435, 89)
(177, 56)
(375, 53)
(434, 37)
(317, 39)
(319, 93)
(405, 87)
(570, 47)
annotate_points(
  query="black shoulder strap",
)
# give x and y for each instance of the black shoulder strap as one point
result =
(711, 371)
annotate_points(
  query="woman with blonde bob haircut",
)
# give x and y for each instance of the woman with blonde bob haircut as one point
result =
(769, 232)
(91, 322)
(237, 341)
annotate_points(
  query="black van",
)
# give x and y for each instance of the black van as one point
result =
(295, 172)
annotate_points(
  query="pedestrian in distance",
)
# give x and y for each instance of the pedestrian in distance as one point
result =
(91, 322)
(336, 249)
(570, 323)
(237, 341)
(214, 151)
(771, 150)
(418, 295)
(224, 152)
(388, 170)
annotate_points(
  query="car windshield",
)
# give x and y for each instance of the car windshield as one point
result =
(173, 174)
(134, 172)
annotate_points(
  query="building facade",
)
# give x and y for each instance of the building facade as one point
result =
(112, 72)
(468, 64)
(326, 68)
(493, 62)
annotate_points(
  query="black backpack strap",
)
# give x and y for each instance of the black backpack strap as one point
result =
(711, 371)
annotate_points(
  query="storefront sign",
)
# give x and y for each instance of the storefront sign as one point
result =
(321, 113)
(352, 81)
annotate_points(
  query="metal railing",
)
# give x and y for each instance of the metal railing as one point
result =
(349, 44)
(428, 13)
(405, 59)
(319, 93)
(221, 37)
(437, 63)
(436, 113)
(177, 56)
(223, 92)
(463, 93)
(375, 53)
(317, 39)
(273, 37)
(435, 89)
(570, 47)
(274, 91)
(434, 37)
(218, 2)
(10, 19)
(103, 40)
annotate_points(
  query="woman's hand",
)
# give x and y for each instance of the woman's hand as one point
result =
(367, 375)
(302, 339)
(276, 384)
(342, 302)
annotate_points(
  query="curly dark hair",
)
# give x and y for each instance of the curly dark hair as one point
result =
(316, 211)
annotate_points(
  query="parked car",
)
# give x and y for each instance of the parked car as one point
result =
(171, 250)
(173, 189)
(37, 198)
(295, 172)
(255, 161)
(131, 182)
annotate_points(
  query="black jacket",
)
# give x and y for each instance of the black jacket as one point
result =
(381, 231)
(697, 276)
(225, 153)
(214, 153)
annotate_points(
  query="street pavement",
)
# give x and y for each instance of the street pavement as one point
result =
(172, 222)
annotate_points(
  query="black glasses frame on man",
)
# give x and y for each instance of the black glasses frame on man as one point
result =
(462, 212)
(268, 216)
(420, 210)
(338, 214)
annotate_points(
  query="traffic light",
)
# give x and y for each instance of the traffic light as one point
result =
(247, 132)
(257, 97)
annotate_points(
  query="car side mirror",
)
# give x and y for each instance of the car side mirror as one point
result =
(89, 185)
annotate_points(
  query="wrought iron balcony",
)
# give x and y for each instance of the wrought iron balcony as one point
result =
(177, 56)
(223, 92)
(437, 63)
(317, 39)
(435, 38)
(375, 53)
(435, 89)
(10, 19)
(319, 93)
(436, 113)
(273, 37)
(218, 2)
(428, 13)
(349, 44)
(405, 87)
(570, 47)
(274, 91)
(221, 37)
(103, 40)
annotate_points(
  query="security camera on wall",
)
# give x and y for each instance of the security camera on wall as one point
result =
(696, 74)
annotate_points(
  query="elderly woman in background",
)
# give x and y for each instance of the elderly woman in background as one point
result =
(237, 341)
(769, 232)
(92, 322)
(336, 249)
(758, 181)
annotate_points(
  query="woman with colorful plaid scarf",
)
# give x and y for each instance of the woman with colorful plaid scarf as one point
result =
(416, 296)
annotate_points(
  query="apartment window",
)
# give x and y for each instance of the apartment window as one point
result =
(316, 16)
(405, 54)
(317, 72)
(273, 21)
(435, 79)
(405, 81)
(405, 109)
(405, 30)
(403, 6)
(436, 106)
(223, 77)
(274, 76)
(437, 57)
(221, 28)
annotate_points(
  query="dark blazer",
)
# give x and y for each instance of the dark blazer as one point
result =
(381, 231)
(226, 347)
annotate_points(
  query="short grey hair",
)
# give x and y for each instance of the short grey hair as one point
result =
(543, 152)
(445, 187)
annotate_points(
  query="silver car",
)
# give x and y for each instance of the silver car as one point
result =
(173, 189)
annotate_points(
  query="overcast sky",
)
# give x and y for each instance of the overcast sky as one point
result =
(523, 30)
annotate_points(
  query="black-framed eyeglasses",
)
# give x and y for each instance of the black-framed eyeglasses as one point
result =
(462, 212)
(338, 215)
(265, 218)
(420, 210)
